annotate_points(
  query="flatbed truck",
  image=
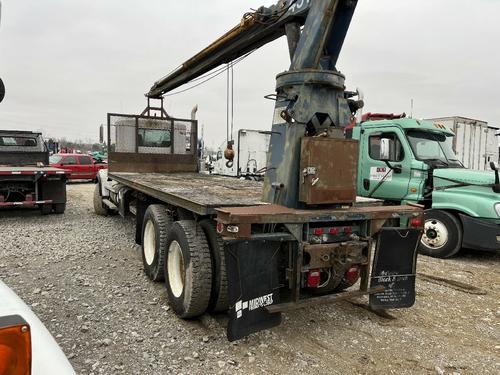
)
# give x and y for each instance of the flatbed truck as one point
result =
(197, 230)
(26, 179)
(258, 249)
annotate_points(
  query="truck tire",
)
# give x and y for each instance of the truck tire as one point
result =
(45, 209)
(188, 269)
(99, 208)
(156, 224)
(59, 208)
(442, 237)
(219, 300)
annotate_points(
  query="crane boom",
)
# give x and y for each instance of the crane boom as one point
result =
(310, 96)
(254, 31)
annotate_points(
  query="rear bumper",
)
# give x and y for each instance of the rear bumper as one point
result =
(480, 234)
(25, 203)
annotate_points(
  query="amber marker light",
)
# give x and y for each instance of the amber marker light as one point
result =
(15, 346)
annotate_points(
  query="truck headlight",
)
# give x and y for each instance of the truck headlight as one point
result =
(497, 208)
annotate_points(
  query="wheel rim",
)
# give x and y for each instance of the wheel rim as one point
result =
(435, 234)
(175, 266)
(149, 242)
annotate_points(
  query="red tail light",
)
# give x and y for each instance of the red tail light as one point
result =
(334, 231)
(313, 278)
(352, 275)
(348, 230)
(318, 231)
(15, 346)
(416, 222)
(220, 228)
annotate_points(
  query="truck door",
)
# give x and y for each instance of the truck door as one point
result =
(377, 179)
(86, 167)
(69, 163)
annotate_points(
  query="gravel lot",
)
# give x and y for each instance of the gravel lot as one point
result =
(83, 276)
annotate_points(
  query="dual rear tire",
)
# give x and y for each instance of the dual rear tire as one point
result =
(189, 257)
(188, 269)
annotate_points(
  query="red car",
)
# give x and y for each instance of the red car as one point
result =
(82, 167)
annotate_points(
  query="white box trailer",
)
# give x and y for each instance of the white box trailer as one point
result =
(475, 143)
(250, 155)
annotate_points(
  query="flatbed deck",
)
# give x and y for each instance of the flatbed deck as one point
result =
(205, 194)
(200, 193)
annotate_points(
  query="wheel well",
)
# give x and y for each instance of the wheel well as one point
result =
(455, 213)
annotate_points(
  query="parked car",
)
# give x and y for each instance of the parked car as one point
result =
(26, 346)
(80, 166)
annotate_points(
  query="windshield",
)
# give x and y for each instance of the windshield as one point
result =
(434, 147)
(55, 159)
(17, 141)
(154, 138)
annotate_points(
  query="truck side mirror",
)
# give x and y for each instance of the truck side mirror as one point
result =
(2, 90)
(385, 149)
(496, 186)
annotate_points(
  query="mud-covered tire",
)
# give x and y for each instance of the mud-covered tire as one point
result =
(59, 208)
(155, 226)
(188, 269)
(442, 237)
(99, 208)
(219, 300)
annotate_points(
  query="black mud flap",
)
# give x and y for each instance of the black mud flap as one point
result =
(394, 267)
(253, 284)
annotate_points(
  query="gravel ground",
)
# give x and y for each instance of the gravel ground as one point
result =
(82, 275)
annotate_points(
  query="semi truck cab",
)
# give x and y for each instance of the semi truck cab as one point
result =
(407, 160)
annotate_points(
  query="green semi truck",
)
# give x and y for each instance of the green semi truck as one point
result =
(404, 160)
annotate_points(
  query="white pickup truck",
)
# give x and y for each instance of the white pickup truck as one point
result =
(26, 346)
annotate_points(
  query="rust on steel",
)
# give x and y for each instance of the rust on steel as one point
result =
(273, 213)
(289, 306)
(152, 163)
(246, 22)
(330, 162)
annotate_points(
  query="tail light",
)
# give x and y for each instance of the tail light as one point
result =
(15, 346)
(416, 222)
(220, 228)
(334, 231)
(352, 275)
(313, 278)
(319, 231)
(348, 230)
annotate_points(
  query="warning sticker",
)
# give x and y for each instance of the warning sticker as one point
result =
(379, 173)
(277, 119)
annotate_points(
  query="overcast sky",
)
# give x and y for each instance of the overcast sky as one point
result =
(66, 63)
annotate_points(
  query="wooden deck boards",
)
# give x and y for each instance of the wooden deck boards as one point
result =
(200, 192)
